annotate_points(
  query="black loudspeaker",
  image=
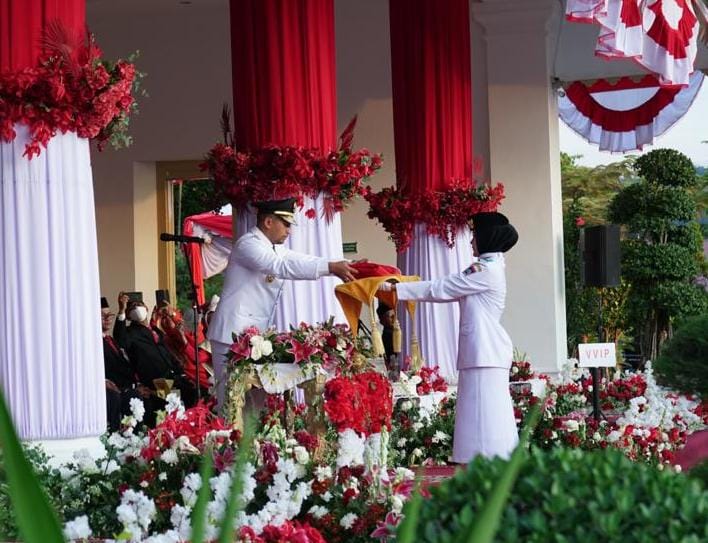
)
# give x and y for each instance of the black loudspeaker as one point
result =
(600, 253)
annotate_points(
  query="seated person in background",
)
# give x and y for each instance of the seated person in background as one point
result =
(180, 342)
(121, 382)
(148, 352)
(386, 318)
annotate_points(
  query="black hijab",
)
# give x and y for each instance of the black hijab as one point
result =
(493, 233)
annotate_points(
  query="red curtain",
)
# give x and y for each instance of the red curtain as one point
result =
(432, 92)
(22, 23)
(282, 57)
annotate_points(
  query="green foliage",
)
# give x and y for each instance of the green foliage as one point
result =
(683, 363)
(700, 472)
(592, 188)
(193, 198)
(37, 521)
(664, 262)
(565, 495)
(38, 460)
(650, 210)
(212, 285)
(486, 525)
(667, 167)
(663, 250)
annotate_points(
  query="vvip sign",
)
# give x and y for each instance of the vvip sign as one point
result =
(597, 355)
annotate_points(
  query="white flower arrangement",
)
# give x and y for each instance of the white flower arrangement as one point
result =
(77, 529)
(135, 512)
(351, 449)
(137, 408)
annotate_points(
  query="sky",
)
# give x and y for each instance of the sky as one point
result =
(685, 136)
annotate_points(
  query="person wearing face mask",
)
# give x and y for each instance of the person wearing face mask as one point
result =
(121, 382)
(484, 417)
(254, 279)
(147, 351)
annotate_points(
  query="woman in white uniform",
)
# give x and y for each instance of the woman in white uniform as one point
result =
(484, 419)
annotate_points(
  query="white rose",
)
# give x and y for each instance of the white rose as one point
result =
(571, 425)
(266, 348)
(406, 405)
(318, 511)
(396, 503)
(256, 352)
(401, 442)
(347, 521)
(169, 457)
(301, 455)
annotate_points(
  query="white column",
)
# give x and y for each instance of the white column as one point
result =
(524, 156)
(51, 358)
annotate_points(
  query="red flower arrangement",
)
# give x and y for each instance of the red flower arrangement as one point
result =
(363, 403)
(430, 381)
(443, 212)
(285, 171)
(70, 90)
(288, 532)
(195, 424)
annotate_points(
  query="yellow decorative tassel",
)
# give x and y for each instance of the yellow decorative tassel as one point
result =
(376, 340)
(396, 336)
(416, 359)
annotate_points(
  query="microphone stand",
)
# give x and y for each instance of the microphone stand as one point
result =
(195, 306)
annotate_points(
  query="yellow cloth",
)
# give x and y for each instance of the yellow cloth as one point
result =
(351, 295)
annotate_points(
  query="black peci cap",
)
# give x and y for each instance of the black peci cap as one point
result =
(285, 209)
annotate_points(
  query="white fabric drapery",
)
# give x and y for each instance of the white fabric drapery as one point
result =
(51, 356)
(307, 301)
(215, 254)
(436, 325)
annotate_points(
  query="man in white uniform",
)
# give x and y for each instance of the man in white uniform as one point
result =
(484, 418)
(254, 279)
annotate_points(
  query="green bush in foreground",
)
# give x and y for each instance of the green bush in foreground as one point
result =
(567, 495)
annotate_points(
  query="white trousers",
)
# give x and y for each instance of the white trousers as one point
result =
(484, 419)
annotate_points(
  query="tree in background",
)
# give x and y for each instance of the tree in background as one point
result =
(662, 252)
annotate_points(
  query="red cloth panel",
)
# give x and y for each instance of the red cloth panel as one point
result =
(282, 57)
(23, 22)
(432, 92)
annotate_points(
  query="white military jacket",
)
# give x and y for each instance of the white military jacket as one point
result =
(253, 282)
(481, 291)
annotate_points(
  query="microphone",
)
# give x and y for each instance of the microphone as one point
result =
(180, 239)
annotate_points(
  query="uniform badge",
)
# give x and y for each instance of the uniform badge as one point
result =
(476, 267)
(270, 278)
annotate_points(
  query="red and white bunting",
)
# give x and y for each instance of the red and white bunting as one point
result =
(660, 35)
(625, 115)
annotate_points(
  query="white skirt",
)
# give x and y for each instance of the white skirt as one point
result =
(484, 419)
